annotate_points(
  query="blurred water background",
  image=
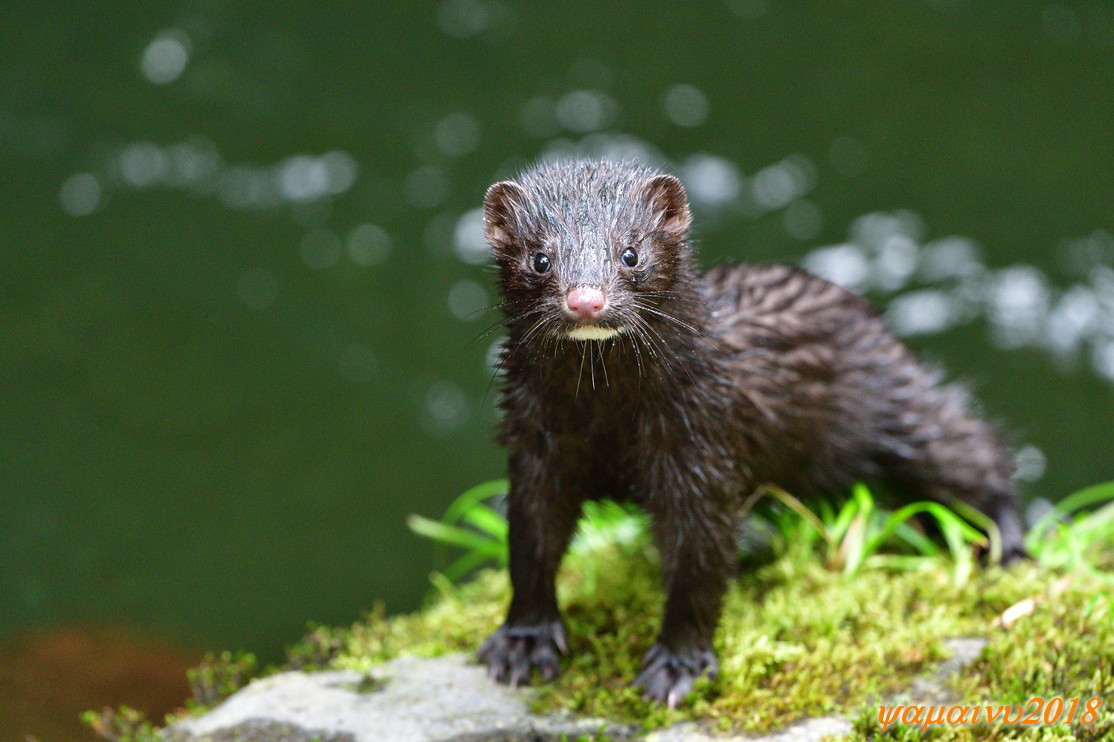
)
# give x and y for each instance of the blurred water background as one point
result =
(241, 267)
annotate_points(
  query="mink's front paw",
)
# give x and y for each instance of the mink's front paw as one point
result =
(668, 676)
(513, 652)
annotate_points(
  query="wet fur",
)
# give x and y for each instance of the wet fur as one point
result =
(716, 383)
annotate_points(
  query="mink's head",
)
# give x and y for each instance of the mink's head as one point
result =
(588, 249)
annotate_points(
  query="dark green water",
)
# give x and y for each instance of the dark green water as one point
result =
(222, 393)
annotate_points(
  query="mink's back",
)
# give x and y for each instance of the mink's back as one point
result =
(833, 396)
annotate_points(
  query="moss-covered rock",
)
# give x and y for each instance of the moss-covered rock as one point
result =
(796, 641)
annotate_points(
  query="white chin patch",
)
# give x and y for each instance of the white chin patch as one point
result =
(592, 332)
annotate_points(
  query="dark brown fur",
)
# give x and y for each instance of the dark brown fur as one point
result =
(718, 382)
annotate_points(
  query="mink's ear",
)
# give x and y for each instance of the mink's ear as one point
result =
(668, 202)
(502, 204)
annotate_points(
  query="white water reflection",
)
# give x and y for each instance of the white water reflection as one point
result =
(80, 194)
(466, 18)
(144, 164)
(926, 287)
(197, 166)
(368, 245)
(445, 407)
(685, 105)
(1030, 463)
(1017, 305)
(582, 111)
(845, 264)
(710, 181)
(467, 299)
(165, 58)
(925, 312)
(1074, 317)
(468, 238)
(457, 134)
(776, 186)
(929, 288)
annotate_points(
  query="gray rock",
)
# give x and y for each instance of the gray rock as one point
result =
(407, 699)
(449, 699)
(807, 730)
(933, 689)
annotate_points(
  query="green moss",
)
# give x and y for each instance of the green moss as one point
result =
(795, 639)
(455, 621)
(124, 724)
(219, 676)
(368, 683)
(317, 649)
(1063, 649)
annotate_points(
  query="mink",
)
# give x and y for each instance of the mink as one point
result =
(630, 374)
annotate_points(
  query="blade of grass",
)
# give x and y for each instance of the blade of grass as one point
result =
(471, 561)
(941, 514)
(486, 520)
(984, 521)
(850, 552)
(956, 538)
(922, 544)
(454, 535)
(470, 497)
(1071, 503)
(793, 504)
(838, 529)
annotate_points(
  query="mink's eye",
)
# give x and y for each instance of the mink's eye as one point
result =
(629, 258)
(541, 262)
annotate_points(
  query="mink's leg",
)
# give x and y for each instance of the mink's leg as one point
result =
(696, 539)
(533, 635)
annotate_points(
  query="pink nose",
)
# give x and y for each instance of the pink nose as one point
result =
(585, 304)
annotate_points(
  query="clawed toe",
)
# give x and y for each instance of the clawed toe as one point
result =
(513, 652)
(667, 676)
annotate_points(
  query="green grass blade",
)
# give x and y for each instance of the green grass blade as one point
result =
(942, 515)
(796, 506)
(922, 544)
(959, 546)
(473, 496)
(838, 529)
(981, 519)
(454, 535)
(471, 561)
(1071, 503)
(851, 550)
(486, 520)
(901, 562)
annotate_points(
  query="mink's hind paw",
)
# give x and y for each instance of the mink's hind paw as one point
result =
(1014, 555)
(668, 677)
(513, 652)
